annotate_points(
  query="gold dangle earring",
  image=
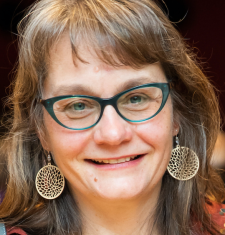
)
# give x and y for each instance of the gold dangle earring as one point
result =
(184, 163)
(49, 181)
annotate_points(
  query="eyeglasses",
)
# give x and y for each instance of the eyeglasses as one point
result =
(80, 112)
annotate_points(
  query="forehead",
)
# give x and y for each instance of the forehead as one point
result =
(68, 72)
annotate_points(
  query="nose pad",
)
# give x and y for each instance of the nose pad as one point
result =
(112, 129)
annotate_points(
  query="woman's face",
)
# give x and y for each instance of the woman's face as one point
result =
(113, 137)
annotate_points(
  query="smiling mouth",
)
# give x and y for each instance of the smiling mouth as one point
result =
(114, 161)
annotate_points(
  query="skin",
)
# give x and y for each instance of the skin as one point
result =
(112, 201)
(218, 159)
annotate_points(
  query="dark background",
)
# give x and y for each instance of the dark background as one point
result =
(203, 26)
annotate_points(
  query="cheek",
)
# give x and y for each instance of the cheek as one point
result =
(62, 142)
(158, 133)
(159, 129)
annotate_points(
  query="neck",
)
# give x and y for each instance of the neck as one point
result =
(109, 217)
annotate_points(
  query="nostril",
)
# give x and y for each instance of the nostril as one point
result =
(110, 136)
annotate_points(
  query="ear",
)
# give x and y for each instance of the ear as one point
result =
(176, 125)
(44, 140)
(176, 128)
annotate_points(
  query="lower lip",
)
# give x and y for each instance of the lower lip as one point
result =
(115, 166)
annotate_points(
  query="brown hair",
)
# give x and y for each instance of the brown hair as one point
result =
(122, 32)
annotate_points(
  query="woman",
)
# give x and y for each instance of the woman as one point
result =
(104, 91)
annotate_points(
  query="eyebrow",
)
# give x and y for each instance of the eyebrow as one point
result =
(80, 89)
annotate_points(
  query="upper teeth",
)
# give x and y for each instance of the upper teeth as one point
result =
(114, 161)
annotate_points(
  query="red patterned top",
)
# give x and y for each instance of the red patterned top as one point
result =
(18, 231)
(217, 212)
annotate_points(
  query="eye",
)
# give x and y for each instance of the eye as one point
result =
(79, 106)
(136, 99)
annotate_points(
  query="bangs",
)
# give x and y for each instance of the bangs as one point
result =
(119, 32)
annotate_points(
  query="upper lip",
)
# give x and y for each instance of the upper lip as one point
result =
(115, 158)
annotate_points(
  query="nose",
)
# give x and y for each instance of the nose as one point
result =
(112, 129)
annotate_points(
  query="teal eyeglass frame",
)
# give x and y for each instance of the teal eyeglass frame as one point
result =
(48, 103)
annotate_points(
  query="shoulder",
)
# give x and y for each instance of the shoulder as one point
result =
(217, 213)
(10, 231)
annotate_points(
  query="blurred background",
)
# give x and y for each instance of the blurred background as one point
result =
(201, 22)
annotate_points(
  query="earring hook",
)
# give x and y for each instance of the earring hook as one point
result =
(49, 158)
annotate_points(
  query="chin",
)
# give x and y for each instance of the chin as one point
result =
(122, 190)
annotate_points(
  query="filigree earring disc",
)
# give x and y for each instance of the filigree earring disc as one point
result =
(50, 181)
(183, 164)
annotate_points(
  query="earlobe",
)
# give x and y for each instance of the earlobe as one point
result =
(175, 131)
(176, 128)
(176, 124)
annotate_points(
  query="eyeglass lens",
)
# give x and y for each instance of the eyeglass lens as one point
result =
(135, 105)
